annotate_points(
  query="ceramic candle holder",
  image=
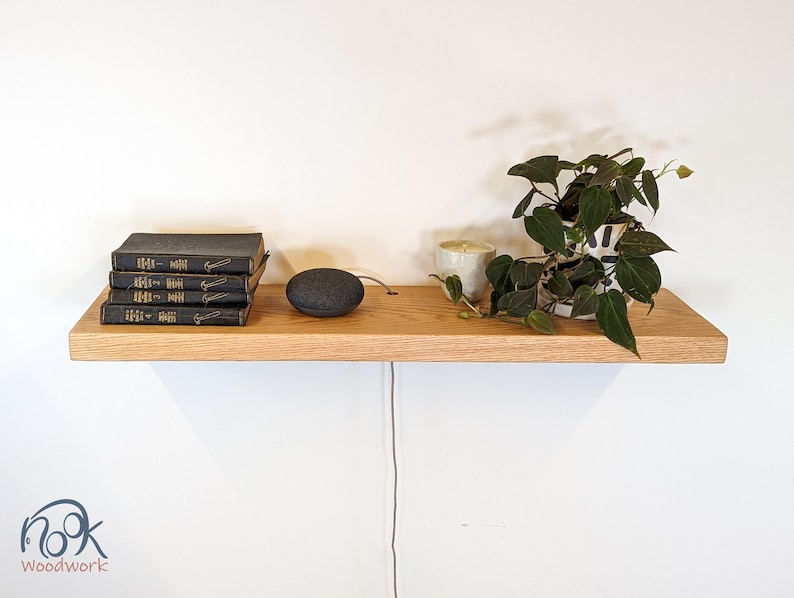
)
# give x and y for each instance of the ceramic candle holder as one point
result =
(468, 260)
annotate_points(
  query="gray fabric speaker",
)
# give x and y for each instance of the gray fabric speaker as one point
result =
(325, 292)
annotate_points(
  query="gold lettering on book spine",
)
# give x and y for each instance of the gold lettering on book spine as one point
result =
(176, 297)
(198, 318)
(143, 296)
(207, 285)
(207, 297)
(180, 265)
(143, 282)
(210, 266)
(146, 263)
(174, 283)
(134, 315)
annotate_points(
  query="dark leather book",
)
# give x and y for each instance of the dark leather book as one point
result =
(165, 281)
(165, 315)
(190, 253)
(201, 298)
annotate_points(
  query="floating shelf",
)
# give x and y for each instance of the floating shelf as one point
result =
(417, 324)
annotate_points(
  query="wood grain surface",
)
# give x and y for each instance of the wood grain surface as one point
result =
(417, 324)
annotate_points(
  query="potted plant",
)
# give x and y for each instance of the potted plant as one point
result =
(597, 254)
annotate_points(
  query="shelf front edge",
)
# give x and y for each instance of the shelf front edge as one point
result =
(419, 324)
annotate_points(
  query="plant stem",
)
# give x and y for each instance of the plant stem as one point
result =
(474, 308)
(540, 192)
(664, 169)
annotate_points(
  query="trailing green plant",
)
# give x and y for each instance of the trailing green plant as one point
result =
(565, 220)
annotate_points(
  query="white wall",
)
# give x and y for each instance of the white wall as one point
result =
(356, 134)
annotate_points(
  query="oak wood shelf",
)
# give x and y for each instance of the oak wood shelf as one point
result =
(417, 324)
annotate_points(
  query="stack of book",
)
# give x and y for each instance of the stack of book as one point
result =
(178, 278)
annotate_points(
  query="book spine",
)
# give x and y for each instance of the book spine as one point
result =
(153, 297)
(153, 281)
(180, 264)
(173, 315)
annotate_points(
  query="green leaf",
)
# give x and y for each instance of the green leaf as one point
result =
(633, 167)
(545, 227)
(589, 271)
(638, 195)
(498, 274)
(650, 189)
(519, 303)
(494, 309)
(560, 285)
(542, 169)
(595, 204)
(599, 267)
(625, 188)
(522, 206)
(585, 273)
(617, 205)
(575, 236)
(585, 301)
(639, 277)
(454, 287)
(607, 172)
(592, 160)
(524, 275)
(629, 187)
(613, 320)
(541, 321)
(683, 172)
(575, 186)
(641, 243)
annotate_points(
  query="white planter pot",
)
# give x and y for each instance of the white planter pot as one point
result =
(602, 244)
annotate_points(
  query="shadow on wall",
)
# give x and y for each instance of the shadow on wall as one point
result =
(478, 407)
(304, 439)
(288, 261)
(567, 132)
(303, 411)
(572, 134)
(308, 412)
